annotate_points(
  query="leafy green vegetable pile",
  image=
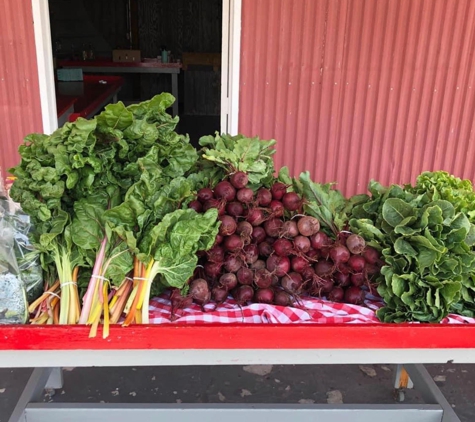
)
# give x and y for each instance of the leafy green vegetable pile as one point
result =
(96, 191)
(108, 198)
(427, 240)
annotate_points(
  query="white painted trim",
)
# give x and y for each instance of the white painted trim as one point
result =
(184, 357)
(230, 65)
(224, 67)
(231, 58)
(44, 55)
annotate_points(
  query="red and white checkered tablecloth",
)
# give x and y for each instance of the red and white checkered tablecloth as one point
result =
(307, 311)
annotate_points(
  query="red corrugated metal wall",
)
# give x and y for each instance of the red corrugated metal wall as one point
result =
(360, 89)
(20, 108)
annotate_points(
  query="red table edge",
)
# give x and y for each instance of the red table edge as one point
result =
(64, 103)
(241, 336)
(113, 83)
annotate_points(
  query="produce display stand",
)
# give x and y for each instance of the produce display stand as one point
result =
(48, 348)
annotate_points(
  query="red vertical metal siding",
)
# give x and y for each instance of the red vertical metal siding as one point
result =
(354, 90)
(20, 108)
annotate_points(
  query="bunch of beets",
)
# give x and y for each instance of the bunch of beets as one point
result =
(268, 252)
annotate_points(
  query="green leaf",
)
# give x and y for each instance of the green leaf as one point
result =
(175, 241)
(405, 230)
(171, 197)
(470, 239)
(120, 264)
(324, 203)
(87, 227)
(284, 176)
(250, 155)
(426, 258)
(175, 272)
(403, 247)
(450, 292)
(398, 285)
(56, 227)
(423, 241)
(115, 116)
(395, 211)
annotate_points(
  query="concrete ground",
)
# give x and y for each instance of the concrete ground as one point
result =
(238, 384)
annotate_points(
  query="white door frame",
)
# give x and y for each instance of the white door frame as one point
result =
(230, 62)
(44, 59)
(230, 66)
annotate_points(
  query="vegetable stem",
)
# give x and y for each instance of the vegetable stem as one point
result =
(91, 289)
(105, 333)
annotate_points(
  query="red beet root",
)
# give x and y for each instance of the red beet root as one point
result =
(224, 190)
(196, 205)
(308, 226)
(239, 179)
(258, 234)
(354, 295)
(357, 279)
(233, 243)
(291, 201)
(357, 263)
(299, 264)
(219, 294)
(228, 281)
(279, 265)
(235, 209)
(264, 197)
(283, 247)
(355, 244)
(290, 229)
(278, 190)
(263, 279)
(199, 291)
(282, 298)
(243, 294)
(245, 276)
(277, 208)
(292, 282)
(228, 225)
(245, 195)
(264, 296)
(205, 194)
(339, 254)
(302, 244)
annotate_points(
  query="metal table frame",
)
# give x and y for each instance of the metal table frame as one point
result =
(49, 348)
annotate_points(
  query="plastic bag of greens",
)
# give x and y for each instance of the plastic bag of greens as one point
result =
(13, 301)
(21, 277)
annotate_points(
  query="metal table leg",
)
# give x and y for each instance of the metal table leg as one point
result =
(32, 392)
(175, 93)
(431, 394)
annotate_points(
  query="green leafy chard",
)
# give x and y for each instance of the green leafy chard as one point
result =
(75, 185)
(170, 248)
